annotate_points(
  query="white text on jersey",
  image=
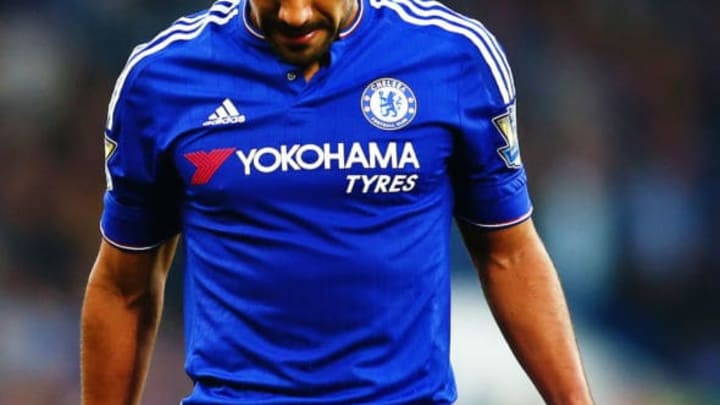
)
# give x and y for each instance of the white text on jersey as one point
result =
(329, 157)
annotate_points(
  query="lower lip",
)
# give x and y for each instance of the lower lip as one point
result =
(301, 40)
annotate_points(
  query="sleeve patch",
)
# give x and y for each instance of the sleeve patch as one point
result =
(110, 148)
(506, 124)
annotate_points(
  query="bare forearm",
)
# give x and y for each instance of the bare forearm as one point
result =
(527, 301)
(524, 293)
(118, 333)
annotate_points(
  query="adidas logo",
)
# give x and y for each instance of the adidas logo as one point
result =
(224, 115)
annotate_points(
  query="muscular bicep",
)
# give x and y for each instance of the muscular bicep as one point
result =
(132, 274)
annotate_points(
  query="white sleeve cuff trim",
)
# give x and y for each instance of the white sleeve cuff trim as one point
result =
(500, 225)
(125, 247)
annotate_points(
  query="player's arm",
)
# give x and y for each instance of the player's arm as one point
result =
(120, 317)
(526, 299)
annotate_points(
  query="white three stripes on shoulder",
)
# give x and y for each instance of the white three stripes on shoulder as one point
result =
(488, 38)
(187, 24)
(441, 17)
(183, 29)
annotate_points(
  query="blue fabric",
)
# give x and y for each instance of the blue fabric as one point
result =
(316, 216)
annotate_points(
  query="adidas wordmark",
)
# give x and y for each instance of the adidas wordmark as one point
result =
(224, 115)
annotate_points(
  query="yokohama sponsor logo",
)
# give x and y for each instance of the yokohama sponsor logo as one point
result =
(306, 157)
(328, 157)
(207, 163)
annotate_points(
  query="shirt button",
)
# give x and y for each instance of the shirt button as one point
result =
(291, 76)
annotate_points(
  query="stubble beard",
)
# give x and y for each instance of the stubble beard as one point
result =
(306, 55)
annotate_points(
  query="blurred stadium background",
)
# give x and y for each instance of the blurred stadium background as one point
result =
(619, 113)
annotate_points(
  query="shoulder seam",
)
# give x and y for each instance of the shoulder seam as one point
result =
(184, 29)
(433, 13)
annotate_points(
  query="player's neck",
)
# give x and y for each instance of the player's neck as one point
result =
(351, 15)
(310, 70)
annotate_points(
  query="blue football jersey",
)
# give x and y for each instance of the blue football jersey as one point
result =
(315, 215)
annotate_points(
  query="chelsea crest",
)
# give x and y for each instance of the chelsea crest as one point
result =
(388, 104)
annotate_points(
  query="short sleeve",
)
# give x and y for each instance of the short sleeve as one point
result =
(141, 199)
(489, 179)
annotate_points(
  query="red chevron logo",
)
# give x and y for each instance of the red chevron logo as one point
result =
(207, 163)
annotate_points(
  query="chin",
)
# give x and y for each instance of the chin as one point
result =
(303, 55)
(300, 58)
